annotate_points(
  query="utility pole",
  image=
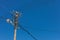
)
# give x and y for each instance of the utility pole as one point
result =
(14, 22)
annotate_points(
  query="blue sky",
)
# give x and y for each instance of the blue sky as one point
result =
(40, 17)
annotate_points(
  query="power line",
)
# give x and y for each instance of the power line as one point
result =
(27, 32)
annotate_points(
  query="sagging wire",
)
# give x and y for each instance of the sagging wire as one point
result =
(27, 32)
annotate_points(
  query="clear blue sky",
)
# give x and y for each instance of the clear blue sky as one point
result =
(40, 17)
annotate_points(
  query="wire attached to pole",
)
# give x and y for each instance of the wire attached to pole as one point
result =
(27, 31)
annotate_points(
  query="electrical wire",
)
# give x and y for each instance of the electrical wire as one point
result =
(27, 31)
